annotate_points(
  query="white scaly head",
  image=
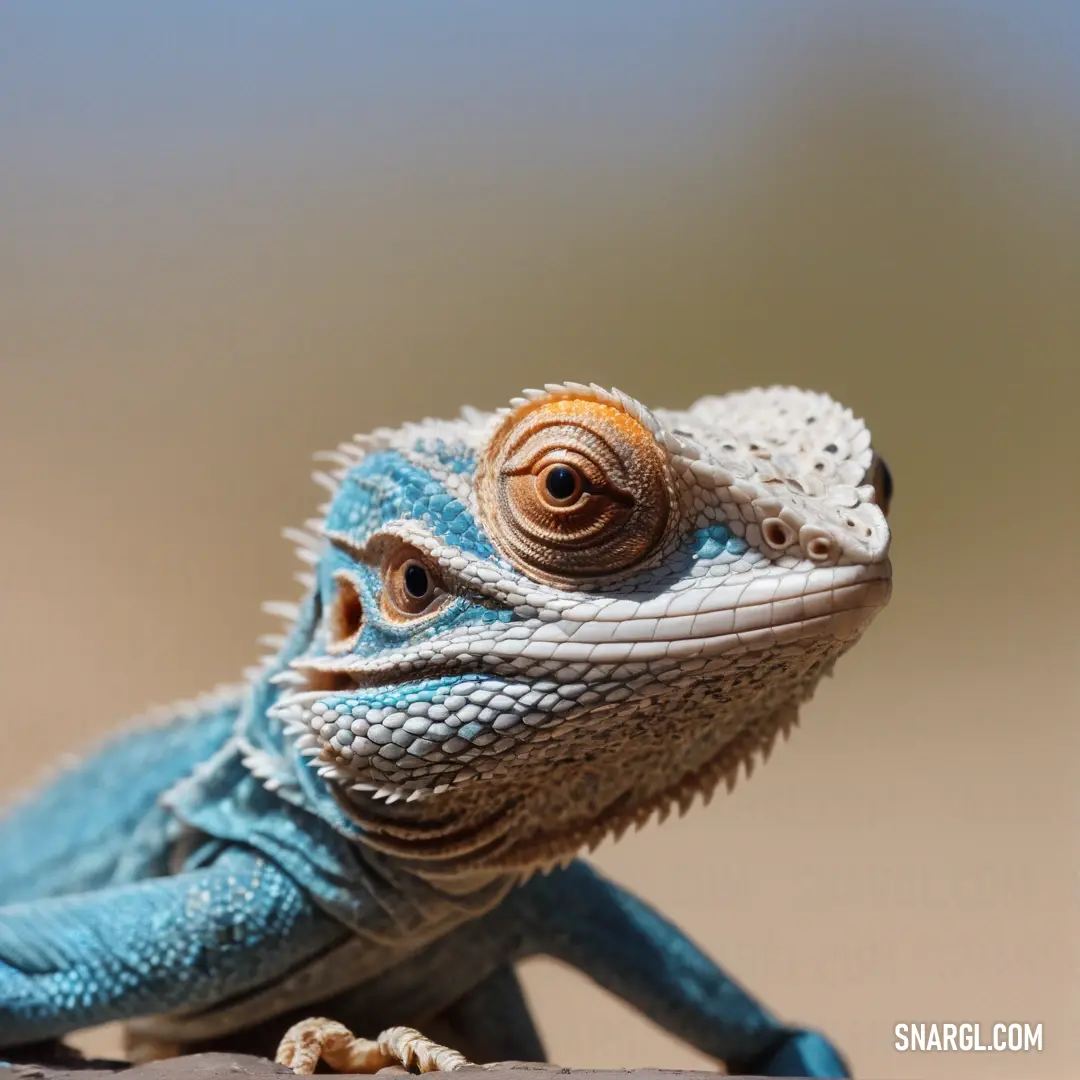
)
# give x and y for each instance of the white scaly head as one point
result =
(644, 602)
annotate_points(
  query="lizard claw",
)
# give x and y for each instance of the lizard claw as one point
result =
(307, 1043)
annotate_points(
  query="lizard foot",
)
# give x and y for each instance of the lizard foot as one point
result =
(307, 1043)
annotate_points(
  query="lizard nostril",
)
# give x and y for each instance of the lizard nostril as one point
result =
(345, 616)
(776, 533)
(818, 545)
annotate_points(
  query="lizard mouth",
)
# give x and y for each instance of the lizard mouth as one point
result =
(668, 712)
(415, 733)
(836, 603)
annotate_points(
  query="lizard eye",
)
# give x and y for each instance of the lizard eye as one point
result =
(412, 585)
(572, 489)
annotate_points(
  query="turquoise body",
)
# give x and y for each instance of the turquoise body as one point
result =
(163, 875)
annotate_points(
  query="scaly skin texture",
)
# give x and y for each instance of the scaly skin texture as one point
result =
(523, 631)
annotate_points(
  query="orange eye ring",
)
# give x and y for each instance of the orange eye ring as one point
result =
(574, 491)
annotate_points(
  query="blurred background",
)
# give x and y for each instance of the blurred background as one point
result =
(234, 235)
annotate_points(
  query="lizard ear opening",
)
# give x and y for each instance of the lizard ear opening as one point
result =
(345, 616)
(572, 488)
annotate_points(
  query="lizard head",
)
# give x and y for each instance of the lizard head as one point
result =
(542, 625)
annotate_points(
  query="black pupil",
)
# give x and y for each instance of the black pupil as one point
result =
(416, 580)
(561, 482)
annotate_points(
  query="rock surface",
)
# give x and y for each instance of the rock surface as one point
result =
(245, 1067)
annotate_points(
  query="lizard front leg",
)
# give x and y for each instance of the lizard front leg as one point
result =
(485, 1021)
(492, 1022)
(182, 942)
(579, 917)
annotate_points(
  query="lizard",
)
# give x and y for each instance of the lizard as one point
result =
(522, 632)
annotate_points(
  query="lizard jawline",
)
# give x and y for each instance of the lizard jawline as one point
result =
(492, 846)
